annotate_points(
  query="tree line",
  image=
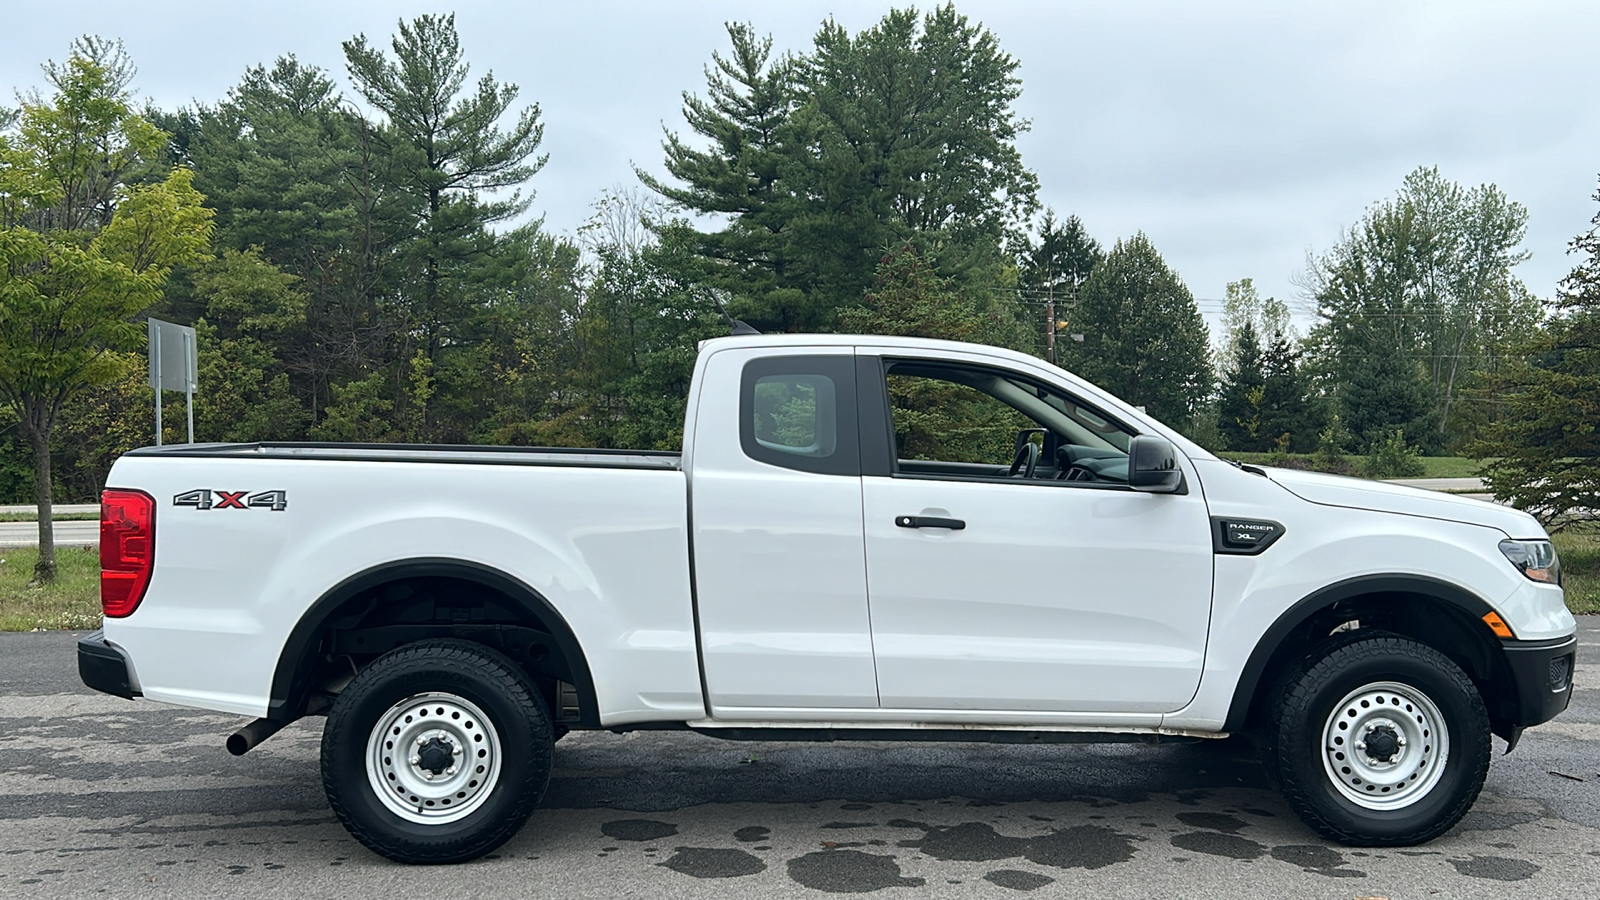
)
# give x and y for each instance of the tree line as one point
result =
(364, 263)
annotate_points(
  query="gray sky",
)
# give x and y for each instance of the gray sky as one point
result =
(1237, 135)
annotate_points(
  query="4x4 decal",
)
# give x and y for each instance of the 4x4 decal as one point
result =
(204, 498)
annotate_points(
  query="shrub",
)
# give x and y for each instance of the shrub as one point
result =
(1392, 457)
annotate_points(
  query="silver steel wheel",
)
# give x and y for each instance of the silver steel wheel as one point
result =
(1385, 745)
(433, 758)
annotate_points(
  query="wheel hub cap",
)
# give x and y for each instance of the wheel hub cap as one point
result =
(1385, 745)
(433, 758)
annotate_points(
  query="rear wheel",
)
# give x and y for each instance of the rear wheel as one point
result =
(1382, 741)
(436, 752)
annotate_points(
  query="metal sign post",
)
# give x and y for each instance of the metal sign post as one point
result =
(174, 366)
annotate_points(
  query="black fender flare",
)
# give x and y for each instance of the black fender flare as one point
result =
(1255, 667)
(287, 700)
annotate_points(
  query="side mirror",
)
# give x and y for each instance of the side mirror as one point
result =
(1153, 466)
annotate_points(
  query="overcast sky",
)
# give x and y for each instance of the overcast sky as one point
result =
(1238, 136)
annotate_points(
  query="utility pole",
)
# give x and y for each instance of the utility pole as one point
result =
(1050, 319)
(1050, 327)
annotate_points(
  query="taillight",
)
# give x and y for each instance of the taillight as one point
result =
(127, 549)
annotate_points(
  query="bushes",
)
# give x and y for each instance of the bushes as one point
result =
(1392, 457)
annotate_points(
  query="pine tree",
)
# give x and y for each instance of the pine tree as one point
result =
(1546, 446)
(1143, 337)
(1242, 396)
(1291, 412)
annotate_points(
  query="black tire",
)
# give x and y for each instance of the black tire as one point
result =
(1343, 685)
(491, 723)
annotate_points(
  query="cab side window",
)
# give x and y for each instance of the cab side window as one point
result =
(799, 412)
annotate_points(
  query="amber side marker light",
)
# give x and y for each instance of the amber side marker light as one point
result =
(1497, 624)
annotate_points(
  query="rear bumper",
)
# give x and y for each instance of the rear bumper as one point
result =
(1542, 672)
(104, 666)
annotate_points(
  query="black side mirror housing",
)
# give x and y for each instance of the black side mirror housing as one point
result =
(1153, 466)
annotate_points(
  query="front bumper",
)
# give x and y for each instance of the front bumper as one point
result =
(104, 667)
(1542, 674)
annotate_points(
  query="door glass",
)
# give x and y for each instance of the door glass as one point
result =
(968, 421)
(942, 421)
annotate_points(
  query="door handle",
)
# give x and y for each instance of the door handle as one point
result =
(929, 522)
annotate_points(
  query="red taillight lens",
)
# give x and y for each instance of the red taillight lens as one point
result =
(127, 549)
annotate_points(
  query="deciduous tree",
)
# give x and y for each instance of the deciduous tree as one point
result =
(84, 248)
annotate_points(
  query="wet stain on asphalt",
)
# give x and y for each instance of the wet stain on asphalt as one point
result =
(1315, 859)
(638, 830)
(1217, 844)
(752, 834)
(1213, 821)
(1495, 868)
(710, 862)
(849, 872)
(967, 842)
(1078, 847)
(1018, 880)
(1082, 847)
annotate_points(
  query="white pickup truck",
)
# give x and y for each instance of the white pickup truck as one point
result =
(864, 537)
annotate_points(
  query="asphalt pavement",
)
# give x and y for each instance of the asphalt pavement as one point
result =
(68, 534)
(107, 797)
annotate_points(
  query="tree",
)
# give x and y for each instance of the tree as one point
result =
(1243, 393)
(745, 116)
(84, 248)
(1052, 269)
(1425, 277)
(1546, 446)
(820, 163)
(1143, 338)
(1293, 415)
(1241, 305)
(444, 150)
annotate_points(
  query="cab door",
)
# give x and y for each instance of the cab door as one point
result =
(778, 553)
(996, 591)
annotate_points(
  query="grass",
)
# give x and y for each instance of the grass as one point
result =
(1579, 548)
(1433, 466)
(72, 603)
(58, 517)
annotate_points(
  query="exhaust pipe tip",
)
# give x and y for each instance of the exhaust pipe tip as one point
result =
(247, 738)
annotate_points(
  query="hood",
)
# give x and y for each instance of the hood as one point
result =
(1380, 496)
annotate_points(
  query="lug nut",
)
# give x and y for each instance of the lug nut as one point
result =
(416, 760)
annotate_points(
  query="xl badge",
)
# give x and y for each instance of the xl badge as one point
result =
(277, 501)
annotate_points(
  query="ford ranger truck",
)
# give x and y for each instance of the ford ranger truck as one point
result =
(863, 538)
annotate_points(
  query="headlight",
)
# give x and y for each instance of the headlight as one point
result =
(1536, 559)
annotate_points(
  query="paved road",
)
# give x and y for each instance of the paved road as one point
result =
(58, 509)
(68, 534)
(132, 799)
(1441, 484)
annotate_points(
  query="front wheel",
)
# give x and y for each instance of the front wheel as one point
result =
(1382, 741)
(436, 752)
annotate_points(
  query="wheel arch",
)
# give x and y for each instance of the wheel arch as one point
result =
(291, 681)
(1441, 614)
